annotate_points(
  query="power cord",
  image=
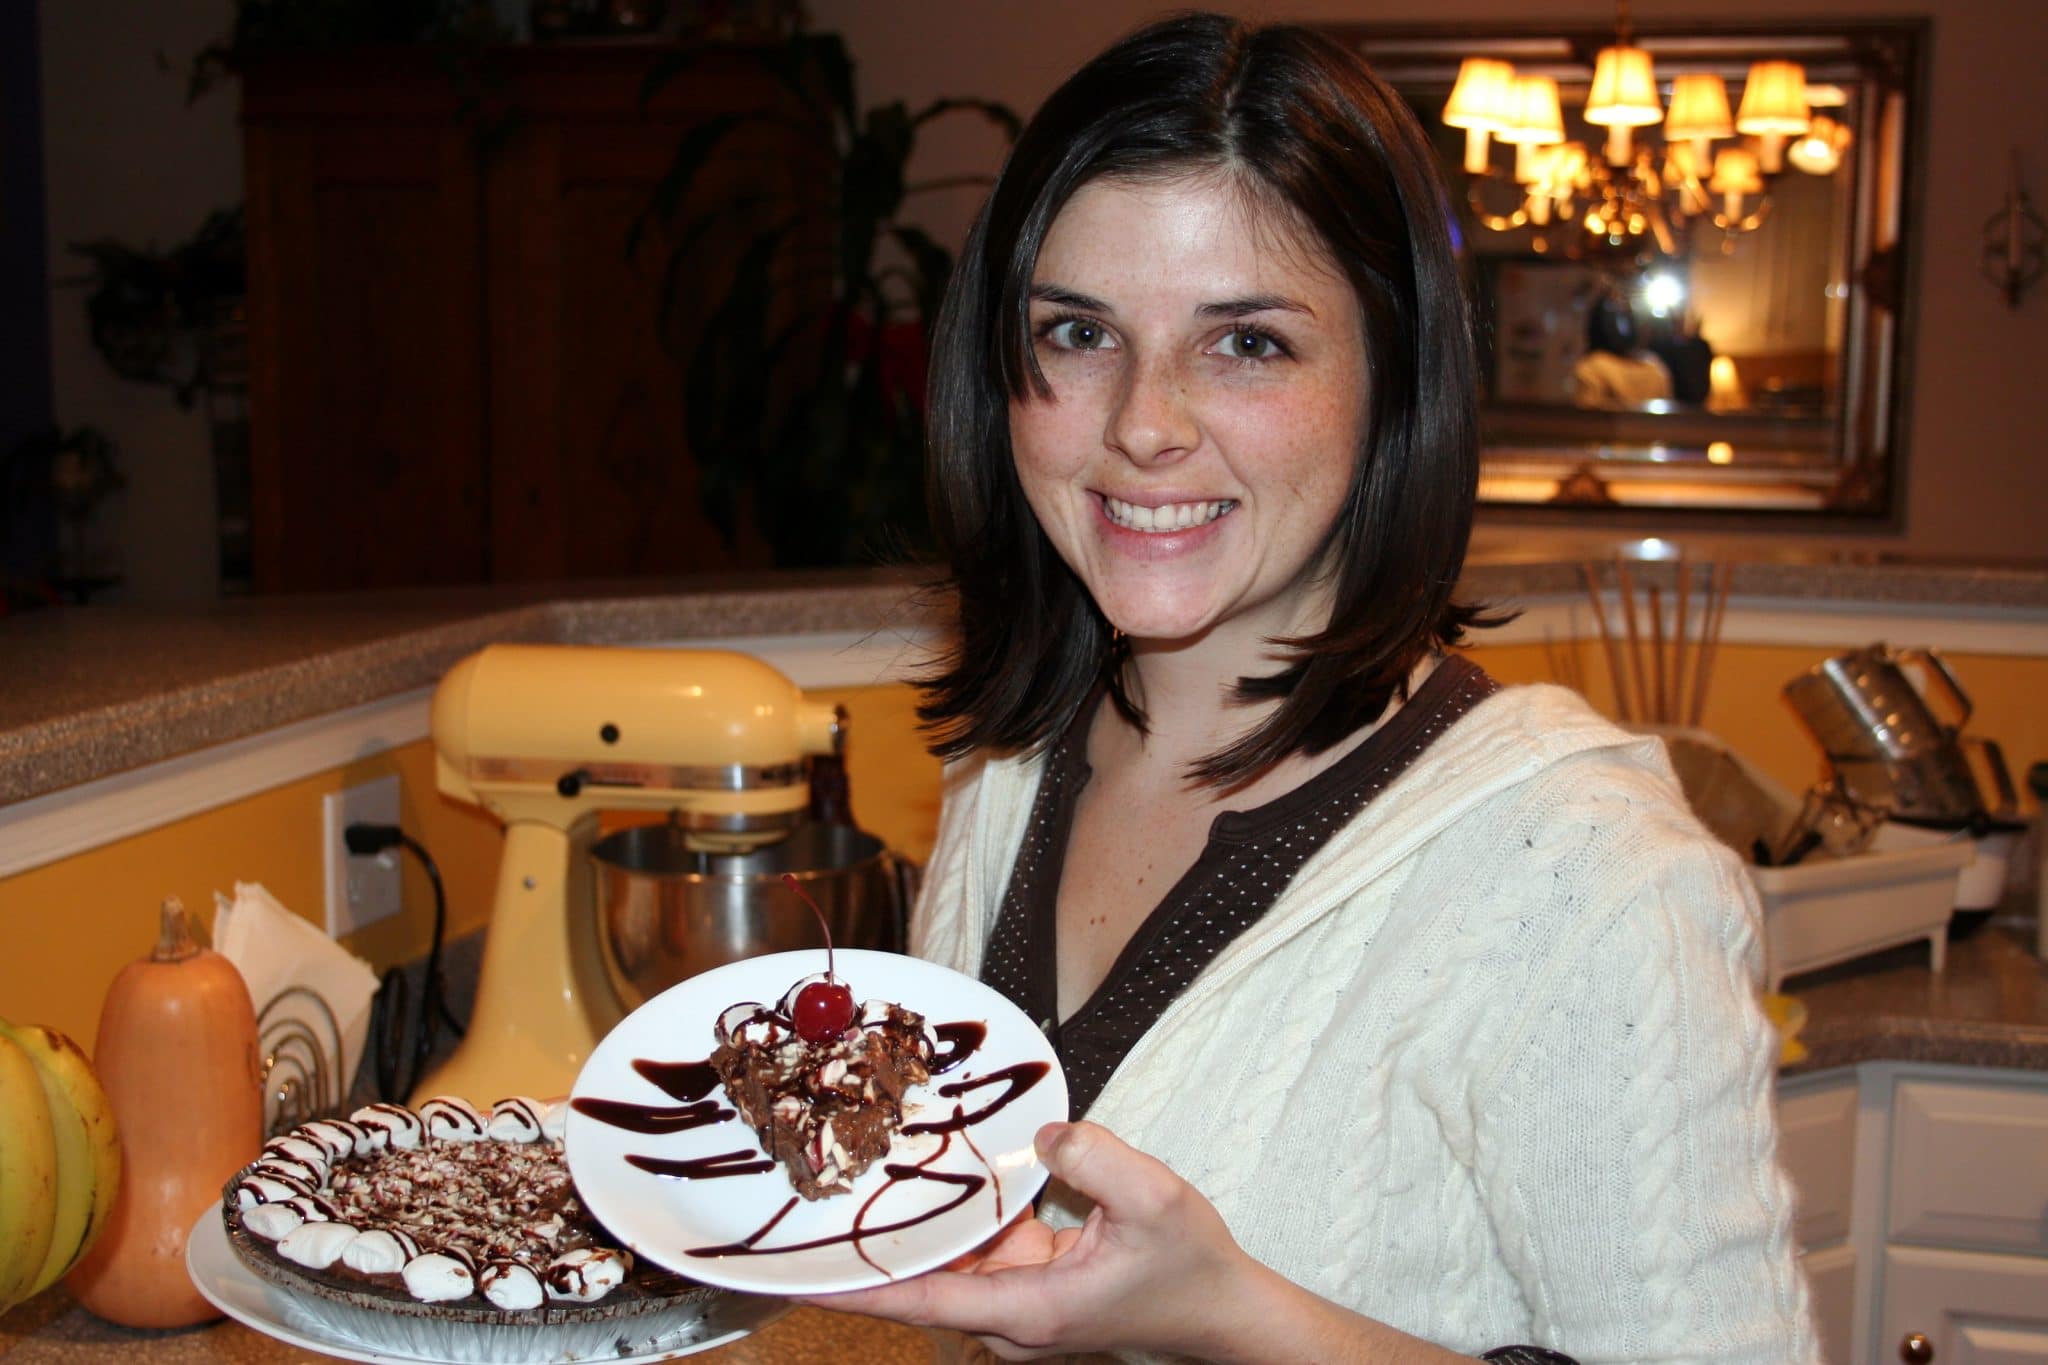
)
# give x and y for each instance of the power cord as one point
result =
(398, 1069)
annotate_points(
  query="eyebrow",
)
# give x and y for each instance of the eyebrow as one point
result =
(1222, 308)
(1253, 303)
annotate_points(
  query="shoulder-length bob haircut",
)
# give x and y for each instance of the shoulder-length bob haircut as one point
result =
(1306, 130)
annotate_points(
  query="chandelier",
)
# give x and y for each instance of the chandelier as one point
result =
(1698, 159)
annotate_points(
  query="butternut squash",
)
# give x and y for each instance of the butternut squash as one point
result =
(178, 1057)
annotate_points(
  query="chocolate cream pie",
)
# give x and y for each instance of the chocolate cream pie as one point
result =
(440, 1210)
(825, 1103)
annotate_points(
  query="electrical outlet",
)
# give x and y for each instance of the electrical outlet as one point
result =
(360, 890)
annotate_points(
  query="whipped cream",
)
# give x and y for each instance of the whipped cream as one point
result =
(316, 1245)
(451, 1119)
(303, 1150)
(510, 1285)
(587, 1274)
(271, 1221)
(389, 1125)
(517, 1120)
(750, 1021)
(252, 1190)
(336, 1137)
(380, 1251)
(438, 1277)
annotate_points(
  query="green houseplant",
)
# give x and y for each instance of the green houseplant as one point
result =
(804, 393)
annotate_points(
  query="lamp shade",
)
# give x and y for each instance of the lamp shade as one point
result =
(1735, 172)
(1624, 89)
(1774, 100)
(1483, 96)
(1699, 108)
(1537, 116)
(1819, 151)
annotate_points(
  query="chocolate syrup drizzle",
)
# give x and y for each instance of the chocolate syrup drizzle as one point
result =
(692, 1082)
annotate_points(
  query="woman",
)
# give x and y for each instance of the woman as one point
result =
(1410, 1017)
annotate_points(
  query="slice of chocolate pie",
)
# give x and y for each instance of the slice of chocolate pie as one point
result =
(828, 1107)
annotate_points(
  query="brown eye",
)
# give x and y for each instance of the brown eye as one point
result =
(1246, 344)
(1076, 334)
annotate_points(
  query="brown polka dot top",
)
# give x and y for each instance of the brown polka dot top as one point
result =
(1249, 858)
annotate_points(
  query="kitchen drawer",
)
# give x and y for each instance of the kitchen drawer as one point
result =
(1970, 1166)
(1817, 1144)
(1974, 1308)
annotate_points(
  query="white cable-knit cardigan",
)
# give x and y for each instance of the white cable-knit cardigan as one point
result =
(1491, 1070)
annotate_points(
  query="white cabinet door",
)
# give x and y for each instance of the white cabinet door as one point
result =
(1831, 1276)
(1976, 1308)
(1970, 1166)
(1817, 1145)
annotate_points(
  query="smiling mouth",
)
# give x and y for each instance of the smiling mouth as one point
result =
(1175, 516)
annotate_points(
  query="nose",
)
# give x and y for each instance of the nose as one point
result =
(1152, 422)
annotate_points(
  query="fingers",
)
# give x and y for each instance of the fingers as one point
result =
(978, 1304)
(1108, 1170)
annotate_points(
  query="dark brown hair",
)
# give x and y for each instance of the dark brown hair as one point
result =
(1305, 127)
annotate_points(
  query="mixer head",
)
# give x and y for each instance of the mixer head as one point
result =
(553, 733)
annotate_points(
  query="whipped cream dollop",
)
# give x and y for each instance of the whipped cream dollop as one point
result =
(316, 1245)
(438, 1277)
(336, 1137)
(510, 1285)
(389, 1125)
(587, 1274)
(451, 1119)
(517, 1119)
(303, 1150)
(255, 1189)
(751, 1022)
(380, 1251)
(272, 1221)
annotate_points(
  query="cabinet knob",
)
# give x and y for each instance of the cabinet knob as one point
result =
(1916, 1349)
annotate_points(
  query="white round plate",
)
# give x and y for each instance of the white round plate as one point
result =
(667, 1219)
(233, 1288)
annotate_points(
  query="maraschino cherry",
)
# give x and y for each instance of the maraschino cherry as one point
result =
(824, 1008)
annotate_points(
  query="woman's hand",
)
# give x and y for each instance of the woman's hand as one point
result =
(1152, 1267)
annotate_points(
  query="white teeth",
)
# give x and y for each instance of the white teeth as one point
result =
(1177, 516)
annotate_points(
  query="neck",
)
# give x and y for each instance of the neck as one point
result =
(1187, 688)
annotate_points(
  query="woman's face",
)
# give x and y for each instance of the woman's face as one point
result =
(1208, 379)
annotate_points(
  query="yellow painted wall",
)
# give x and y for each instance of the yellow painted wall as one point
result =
(72, 924)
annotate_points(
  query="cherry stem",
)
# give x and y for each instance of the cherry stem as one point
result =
(805, 897)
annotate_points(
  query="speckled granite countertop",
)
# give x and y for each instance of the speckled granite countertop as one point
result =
(89, 692)
(53, 1330)
(1989, 1006)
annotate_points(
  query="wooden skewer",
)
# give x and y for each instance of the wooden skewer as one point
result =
(1659, 694)
(1635, 643)
(1615, 673)
(1710, 636)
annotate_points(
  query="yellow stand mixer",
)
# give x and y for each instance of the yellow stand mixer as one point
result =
(547, 736)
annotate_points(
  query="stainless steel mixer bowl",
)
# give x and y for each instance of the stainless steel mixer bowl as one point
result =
(667, 911)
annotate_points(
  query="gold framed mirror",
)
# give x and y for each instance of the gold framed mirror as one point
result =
(1692, 320)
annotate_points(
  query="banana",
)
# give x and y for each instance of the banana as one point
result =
(88, 1146)
(28, 1173)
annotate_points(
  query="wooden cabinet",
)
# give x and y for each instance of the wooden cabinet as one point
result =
(456, 374)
